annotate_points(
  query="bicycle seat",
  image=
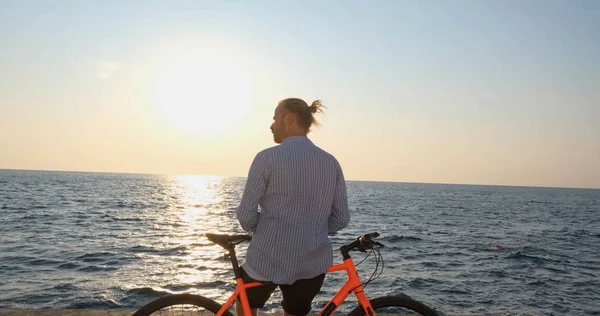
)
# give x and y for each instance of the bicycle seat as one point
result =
(227, 240)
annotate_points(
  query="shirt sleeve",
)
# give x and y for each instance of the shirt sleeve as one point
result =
(256, 185)
(340, 215)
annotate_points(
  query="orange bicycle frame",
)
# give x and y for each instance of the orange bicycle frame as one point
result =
(241, 292)
(352, 285)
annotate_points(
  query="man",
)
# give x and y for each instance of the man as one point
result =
(302, 196)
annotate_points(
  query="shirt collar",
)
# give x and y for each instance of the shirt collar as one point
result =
(299, 140)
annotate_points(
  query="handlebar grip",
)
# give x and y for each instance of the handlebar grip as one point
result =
(371, 235)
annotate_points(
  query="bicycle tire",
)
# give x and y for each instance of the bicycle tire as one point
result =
(180, 299)
(399, 301)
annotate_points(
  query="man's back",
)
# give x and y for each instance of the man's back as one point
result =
(303, 198)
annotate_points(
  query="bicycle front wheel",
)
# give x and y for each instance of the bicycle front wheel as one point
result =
(181, 304)
(396, 305)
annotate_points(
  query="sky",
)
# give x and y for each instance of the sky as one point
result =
(474, 92)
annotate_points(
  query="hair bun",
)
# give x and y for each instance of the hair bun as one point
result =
(316, 106)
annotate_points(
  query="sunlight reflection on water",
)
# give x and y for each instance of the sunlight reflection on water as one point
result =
(198, 204)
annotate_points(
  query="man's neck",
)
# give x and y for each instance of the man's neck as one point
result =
(297, 133)
(290, 136)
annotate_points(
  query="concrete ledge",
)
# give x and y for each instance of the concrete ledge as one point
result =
(86, 312)
(63, 312)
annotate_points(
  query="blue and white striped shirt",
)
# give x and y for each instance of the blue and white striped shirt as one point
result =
(301, 192)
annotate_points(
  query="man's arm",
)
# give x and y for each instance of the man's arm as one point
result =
(340, 215)
(256, 185)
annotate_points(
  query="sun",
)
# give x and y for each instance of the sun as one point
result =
(203, 92)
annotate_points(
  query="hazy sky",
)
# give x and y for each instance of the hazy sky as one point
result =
(482, 92)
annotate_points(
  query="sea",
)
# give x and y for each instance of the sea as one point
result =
(76, 240)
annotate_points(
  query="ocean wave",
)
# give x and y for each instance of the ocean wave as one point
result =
(430, 264)
(94, 303)
(42, 262)
(15, 208)
(68, 266)
(163, 252)
(153, 292)
(125, 205)
(17, 259)
(594, 284)
(65, 287)
(147, 292)
(457, 289)
(8, 268)
(36, 216)
(498, 274)
(555, 269)
(114, 262)
(97, 268)
(578, 232)
(397, 238)
(129, 219)
(538, 202)
(422, 283)
(536, 283)
(95, 257)
(521, 255)
(194, 266)
(107, 256)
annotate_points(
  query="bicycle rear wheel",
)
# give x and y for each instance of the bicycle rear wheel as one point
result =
(181, 304)
(396, 305)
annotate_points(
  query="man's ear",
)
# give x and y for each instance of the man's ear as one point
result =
(289, 117)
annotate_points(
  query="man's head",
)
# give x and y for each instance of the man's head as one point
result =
(293, 117)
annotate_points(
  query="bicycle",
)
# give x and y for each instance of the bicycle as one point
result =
(401, 304)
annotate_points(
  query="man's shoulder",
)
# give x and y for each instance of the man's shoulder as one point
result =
(267, 151)
(328, 155)
(325, 153)
(267, 154)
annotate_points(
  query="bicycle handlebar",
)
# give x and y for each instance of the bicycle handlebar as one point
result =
(362, 244)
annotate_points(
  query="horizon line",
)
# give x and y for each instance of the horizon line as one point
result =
(351, 180)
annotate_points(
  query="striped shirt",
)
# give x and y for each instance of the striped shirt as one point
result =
(301, 192)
